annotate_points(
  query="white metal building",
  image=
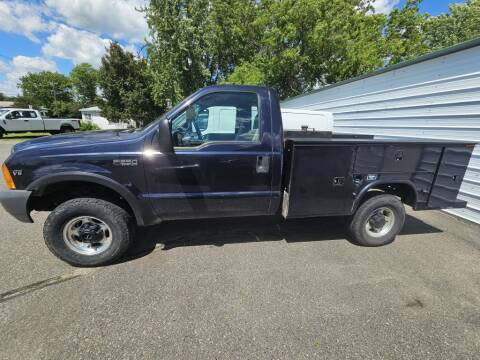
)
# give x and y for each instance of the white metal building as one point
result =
(92, 114)
(435, 96)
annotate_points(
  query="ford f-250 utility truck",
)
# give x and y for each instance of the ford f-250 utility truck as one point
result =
(98, 186)
(13, 120)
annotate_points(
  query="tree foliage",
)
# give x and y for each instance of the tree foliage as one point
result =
(195, 43)
(46, 87)
(460, 24)
(291, 45)
(126, 86)
(404, 33)
(84, 80)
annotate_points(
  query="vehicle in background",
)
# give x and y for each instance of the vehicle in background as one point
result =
(17, 120)
(312, 120)
(224, 151)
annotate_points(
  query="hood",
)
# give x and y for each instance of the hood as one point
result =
(77, 139)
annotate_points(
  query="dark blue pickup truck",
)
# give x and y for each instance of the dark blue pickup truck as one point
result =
(99, 186)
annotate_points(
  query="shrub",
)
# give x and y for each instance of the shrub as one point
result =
(88, 126)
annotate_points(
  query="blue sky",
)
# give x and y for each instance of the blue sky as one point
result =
(55, 35)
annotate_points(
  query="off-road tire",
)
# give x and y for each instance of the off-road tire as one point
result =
(357, 224)
(115, 217)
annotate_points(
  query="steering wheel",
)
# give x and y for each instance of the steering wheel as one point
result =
(178, 136)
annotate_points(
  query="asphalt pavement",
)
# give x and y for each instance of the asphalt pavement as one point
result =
(248, 288)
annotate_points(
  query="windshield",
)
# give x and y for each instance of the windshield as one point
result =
(3, 111)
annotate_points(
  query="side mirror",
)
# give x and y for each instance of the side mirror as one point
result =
(164, 137)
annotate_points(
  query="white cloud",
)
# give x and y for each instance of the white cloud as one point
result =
(22, 18)
(3, 67)
(118, 19)
(76, 45)
(385, 6)
(19, 66)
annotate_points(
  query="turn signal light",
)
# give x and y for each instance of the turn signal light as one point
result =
(8, 177)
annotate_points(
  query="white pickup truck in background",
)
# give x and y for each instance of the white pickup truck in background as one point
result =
(16, 120)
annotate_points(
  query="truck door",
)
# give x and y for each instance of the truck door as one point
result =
(36, 122)
(218, 169)
(14, 121)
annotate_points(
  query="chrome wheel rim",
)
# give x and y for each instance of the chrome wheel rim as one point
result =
(380, 222)
(87, 235)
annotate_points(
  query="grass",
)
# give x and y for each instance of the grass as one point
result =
(23, 136)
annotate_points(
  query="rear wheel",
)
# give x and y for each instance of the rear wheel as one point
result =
(66, 130)
(88, 232)
(377, 221)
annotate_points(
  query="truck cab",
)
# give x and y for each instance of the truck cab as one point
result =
(225, 167)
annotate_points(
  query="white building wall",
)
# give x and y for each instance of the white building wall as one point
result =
(436, 98)
(102, 122)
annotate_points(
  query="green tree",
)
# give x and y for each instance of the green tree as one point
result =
(304, 44)
(26, 101)
(46, 87)
(68, 109)
(246, 74)
(404, 36)
(84, 80)
(462, 23)
(195, 43)
(126, 87)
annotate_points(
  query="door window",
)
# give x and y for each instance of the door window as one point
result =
(15, 115)
(222, 116)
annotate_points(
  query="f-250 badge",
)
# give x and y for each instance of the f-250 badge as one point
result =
(125, 162)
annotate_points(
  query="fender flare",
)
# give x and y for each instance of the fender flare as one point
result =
(41, 183)
(362, 193)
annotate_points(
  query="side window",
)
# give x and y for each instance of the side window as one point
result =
(221, 116)
(32, 114)
(15, 115)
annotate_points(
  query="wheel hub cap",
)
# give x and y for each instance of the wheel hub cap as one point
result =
(87, 235)
(380, 222)
(90, 232)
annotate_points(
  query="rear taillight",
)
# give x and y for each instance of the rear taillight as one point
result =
(8, 177)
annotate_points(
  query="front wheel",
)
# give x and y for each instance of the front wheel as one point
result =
(377, 221)
(88, 232)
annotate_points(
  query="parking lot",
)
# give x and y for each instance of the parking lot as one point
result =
(248, 288)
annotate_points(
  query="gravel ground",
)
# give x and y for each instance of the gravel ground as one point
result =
(249, 288)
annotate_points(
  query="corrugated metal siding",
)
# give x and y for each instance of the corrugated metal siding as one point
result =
(438, 98)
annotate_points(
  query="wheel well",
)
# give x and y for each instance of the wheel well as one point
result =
(405, 192)
(66, 126)
(49, 197)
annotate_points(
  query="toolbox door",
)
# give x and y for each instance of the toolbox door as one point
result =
(320, 181)
(450, 173)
